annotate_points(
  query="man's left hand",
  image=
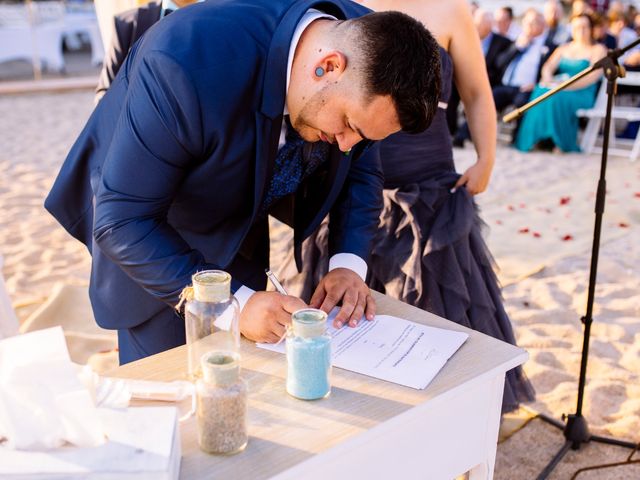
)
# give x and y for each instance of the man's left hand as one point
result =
(346, 286)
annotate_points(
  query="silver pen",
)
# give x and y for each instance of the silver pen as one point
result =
(275, 282)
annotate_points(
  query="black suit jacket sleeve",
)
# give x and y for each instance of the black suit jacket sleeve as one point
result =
(354, 217)
(495, 70)
(504, 59)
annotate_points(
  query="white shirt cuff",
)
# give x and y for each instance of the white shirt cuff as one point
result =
(350, 261)
(242, 295)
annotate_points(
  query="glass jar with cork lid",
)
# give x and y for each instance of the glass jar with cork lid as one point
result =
(212, 318)
(221, 404)
(308, 355)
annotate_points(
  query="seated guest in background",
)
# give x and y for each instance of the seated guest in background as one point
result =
(128, 28)
(600, 32)
(632, 11)
(523, 61)
(493, 44)
(624, 36)
(557, 33)
(616, 6)
(555, 119)
(505, 25)
(619, 29)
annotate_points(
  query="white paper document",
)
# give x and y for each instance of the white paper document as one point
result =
(391, 349)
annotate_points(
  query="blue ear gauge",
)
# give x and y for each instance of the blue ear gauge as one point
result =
(319, 72)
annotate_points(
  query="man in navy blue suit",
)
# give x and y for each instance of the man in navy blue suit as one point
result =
(223, 113)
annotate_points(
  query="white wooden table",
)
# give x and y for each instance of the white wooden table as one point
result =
(367, 428)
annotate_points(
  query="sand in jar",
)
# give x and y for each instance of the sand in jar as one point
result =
(308, 355)
(221, 404)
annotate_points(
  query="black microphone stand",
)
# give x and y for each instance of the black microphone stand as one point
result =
(576, 429)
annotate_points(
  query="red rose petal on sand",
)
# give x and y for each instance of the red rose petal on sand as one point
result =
(564, 200)
(566, 238)
(523, 230)
(637, 194)
(523, 205)
(510, 208)
(536, 234)
(623, 225)
(499, 222)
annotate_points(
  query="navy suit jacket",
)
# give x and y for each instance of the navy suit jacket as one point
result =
(168, 174)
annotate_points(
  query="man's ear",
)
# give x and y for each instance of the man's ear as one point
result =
(332, 65)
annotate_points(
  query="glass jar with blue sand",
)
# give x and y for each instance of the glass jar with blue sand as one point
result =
(308, 355)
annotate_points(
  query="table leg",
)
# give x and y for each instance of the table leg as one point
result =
(484, 471)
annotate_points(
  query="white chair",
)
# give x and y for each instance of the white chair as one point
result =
(596, 114)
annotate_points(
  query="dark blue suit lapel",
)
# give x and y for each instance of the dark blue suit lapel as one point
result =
(269, 118)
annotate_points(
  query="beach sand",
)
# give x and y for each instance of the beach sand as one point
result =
(539, 214)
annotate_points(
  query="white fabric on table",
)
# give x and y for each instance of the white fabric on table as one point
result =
(8, 319)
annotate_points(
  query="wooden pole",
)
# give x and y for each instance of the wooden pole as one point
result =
(36, 61)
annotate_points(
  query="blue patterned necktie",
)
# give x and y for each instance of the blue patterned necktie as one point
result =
(291, 167)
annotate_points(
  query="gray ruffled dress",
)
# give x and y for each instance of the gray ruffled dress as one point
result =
(429, 251)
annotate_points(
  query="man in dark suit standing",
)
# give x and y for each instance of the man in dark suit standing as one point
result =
(221, 114)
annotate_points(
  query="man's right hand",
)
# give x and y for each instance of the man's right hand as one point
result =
(266, 314)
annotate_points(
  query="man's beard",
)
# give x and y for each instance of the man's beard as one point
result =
(310, 110)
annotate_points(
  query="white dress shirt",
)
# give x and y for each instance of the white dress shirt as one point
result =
(523, 69)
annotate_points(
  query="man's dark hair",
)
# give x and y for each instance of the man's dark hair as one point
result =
(508, 11)
(401, 58)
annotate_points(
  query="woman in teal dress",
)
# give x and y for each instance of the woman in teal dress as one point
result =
(555, 119)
